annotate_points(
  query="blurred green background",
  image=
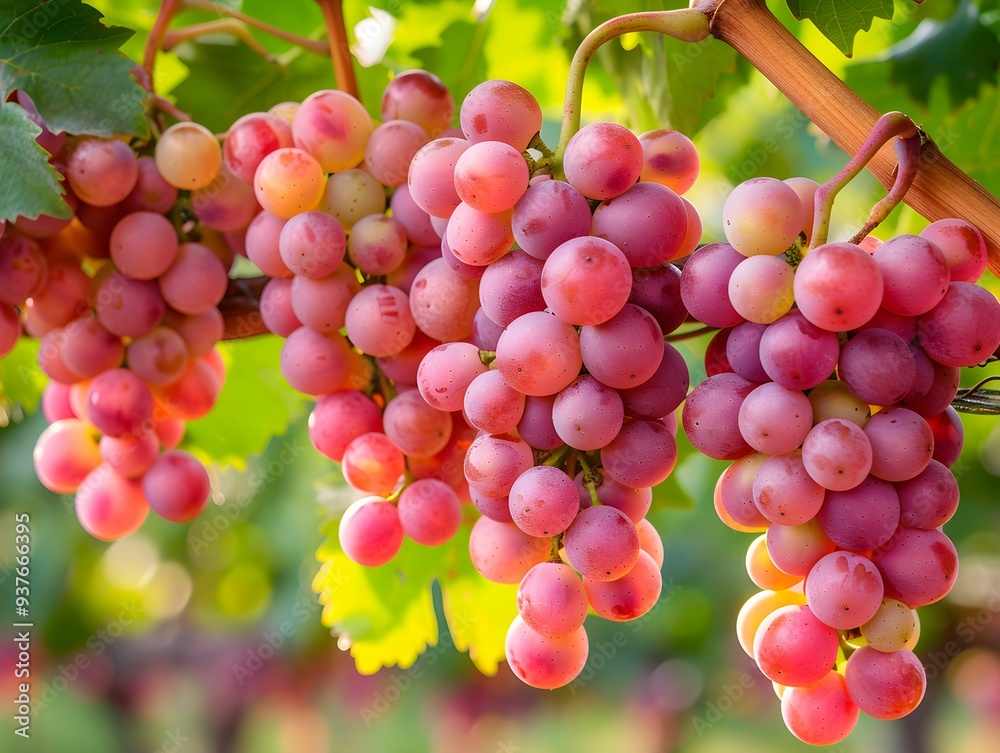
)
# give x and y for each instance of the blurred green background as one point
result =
(207, 637)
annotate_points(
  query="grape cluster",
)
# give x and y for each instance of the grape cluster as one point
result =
(123, 297)
(830, 388)
(567, 381)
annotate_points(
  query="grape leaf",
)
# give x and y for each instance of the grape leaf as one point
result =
(457, 60)
(256, 404)
(840, 20)
(386, 614)
(60, 53)
(961, 49)
(29, 186)
(21, 381)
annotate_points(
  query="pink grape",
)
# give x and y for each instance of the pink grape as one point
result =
(312, 244)
(918, 567)
(512, 286)
(795, 549)
(201, 331)
(760, 288)
(762, 570)
(624, 351)
(262, 249)
(794, 648)
(492, 405)
(805, 189)
(143, 245)
(669, 158)
(552, 600)
(322, 304)
(633, 501)
(643, 453)
(762, 216)
(549, 214)
(500, 111)
(196, 281)
(844, 590)
(822, 713)
(370, 532)
(226, 204)
(543, 662)
(446, 372)
(151, 192)
(421, 97)
(379, 322)
(904, 326)
(650, 541)
(414, 426)
(711, 416)
(276, 307)
(502, 552)
(838, 286)
(944, 387)
(783, 491)
(188, 155)
(630, 596)
(964, 328)
(56, 403)
(705, 284)
(313, 363)
(833, 399)
(119, 402)
(963, 246)
(885, 685)
(914, 273)
(479, 238)
(194, 394)
(603, 160)
(352, 194)
(339, 418)
(333, 127)
(102, 172)
(494, 508)
(491, 176)
(797, 354)
(543, 501)
(429, 512)
(539, 354)
(743, 351)
(587, 414)
(648, 222)
(67, 292)
(756, 608)
(177, 486)
(65, 453)
(390, 149)
(377, 245)
(89, 349)
(110, 506)
(902, 444)
(586, 281)
(127, 307)
(415, 221)
(877, 366)
(929, 499)
(250, 139)
(494, 462)
(23, 269)
(602, 543)
(536, 426)
(663, 392)
(443, 303)
(837, 454)
(373, 464)
(949, 435)
(402, 368)
(431, 177)
(734, 496)
(775, 420)
(132, 454)
(10, 328)
(158, 357)
(658, 290)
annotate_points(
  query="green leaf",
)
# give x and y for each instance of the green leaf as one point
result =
(841, 20)
(962, 50)
(21, 381)
(29, 186)
(457, 59)
(256, 404)
(385, 615)
(60, 53)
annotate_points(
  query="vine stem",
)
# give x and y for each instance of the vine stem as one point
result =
(313, 45)
(940, 189)
(686, 24)
(168, 9)
(340, 50)
(891, 126)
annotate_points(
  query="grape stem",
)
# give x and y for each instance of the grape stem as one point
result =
(940, 190)
(673, 338)
(908, 154)
(891, 126)
(229, 26)
(686, 24)
(168, 9)
(312, 45)
(339, 48)
(589, 474)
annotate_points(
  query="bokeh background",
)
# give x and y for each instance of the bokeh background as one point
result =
(206, 638)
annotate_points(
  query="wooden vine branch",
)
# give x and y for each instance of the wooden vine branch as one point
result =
(940, 188)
